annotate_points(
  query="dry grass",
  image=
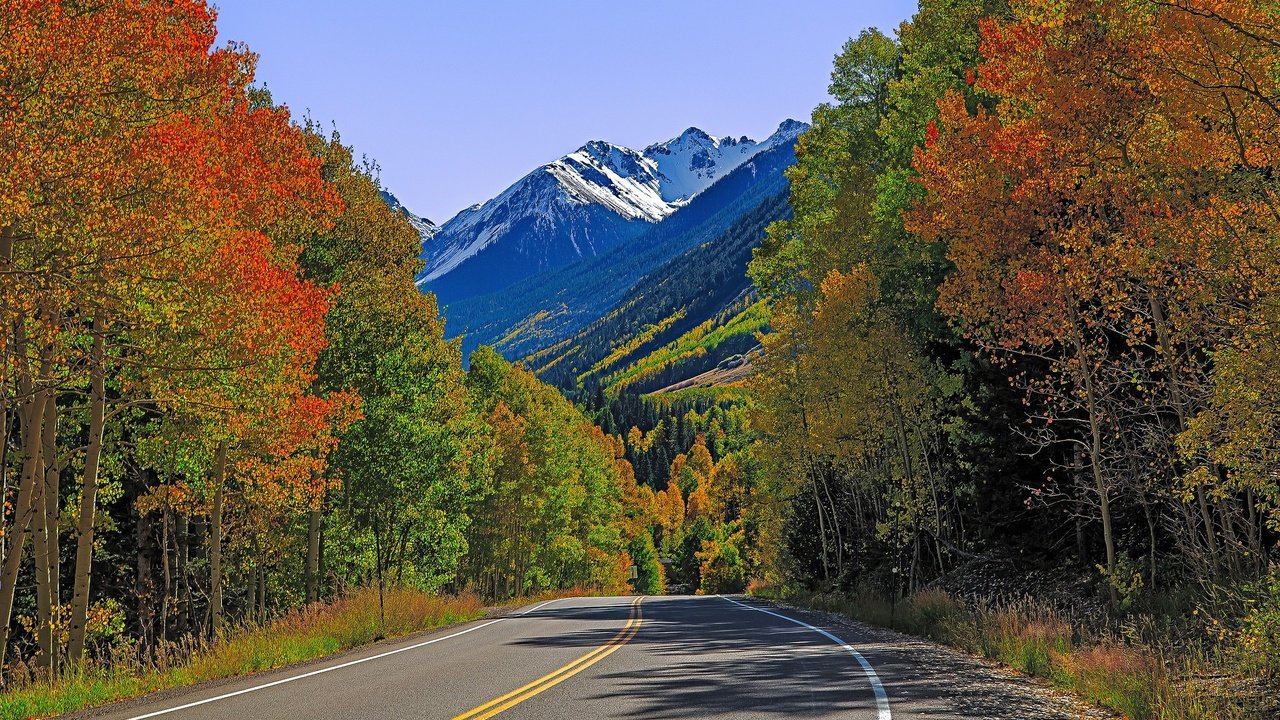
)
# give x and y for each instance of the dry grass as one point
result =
(1142, 682)
(314, 632)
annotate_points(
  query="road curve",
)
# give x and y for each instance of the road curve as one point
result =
(624, 657)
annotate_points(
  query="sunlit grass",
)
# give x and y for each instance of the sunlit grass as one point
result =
(314, 632)
(1139, 681)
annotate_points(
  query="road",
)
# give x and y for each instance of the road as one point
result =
(626, 657)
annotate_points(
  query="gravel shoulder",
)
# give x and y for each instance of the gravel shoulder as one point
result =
(926, 679)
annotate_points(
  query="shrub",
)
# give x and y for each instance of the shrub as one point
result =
(934, 614)
(651, 579)
(721, 567)
(1258, 640)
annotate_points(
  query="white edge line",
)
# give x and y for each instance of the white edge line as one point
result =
(537, 607)
(331, 668)
(882, 697)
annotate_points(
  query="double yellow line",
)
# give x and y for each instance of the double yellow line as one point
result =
(520, 694)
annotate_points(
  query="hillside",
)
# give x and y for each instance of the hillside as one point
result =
(550, 307)
(701, 296)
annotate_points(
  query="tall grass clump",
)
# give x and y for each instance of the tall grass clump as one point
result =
(1148, 679)
(124, 671)
(1113, 676)
(1024, 636)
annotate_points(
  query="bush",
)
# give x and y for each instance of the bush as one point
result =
(935, 614)
(1258, 640)
(721, 569)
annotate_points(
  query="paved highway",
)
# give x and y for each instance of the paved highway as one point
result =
(623, 657)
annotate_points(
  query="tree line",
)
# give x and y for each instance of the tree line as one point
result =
(221, 394)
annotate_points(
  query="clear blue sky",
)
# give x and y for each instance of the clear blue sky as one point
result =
(456, 100)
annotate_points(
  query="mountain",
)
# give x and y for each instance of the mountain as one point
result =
(678, 321)
(594, 199)
(549, 307)
(426, 229)
(693, 161)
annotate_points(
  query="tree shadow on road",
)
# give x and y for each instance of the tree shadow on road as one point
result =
(704, 657)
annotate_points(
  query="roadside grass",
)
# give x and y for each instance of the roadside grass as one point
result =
(314, 632)
(1143, 682)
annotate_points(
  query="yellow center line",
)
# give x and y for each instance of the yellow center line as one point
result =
(520, 694)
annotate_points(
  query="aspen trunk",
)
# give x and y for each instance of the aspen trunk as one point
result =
(1211, 533)
(166, 570)
(40, 570)
(215, 537)
(1180, 407)
(262, 595)
(46, 539)
(183, 587)
(1151, 539)
(32, 419)
(313, 556)
(88, 500)
(4, 459)
(822, 527)
(1095, 458)
(1254, 527)
(320, 568)
(144, 580)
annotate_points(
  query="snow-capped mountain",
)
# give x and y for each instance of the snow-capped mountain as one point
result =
(426, 229)
(558, 201)
(693, 161)
(579, 206)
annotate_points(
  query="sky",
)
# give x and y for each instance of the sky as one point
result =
(457, 100)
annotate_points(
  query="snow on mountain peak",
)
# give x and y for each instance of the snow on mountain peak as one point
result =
(694, 160)
(646, 186)
(618, 178)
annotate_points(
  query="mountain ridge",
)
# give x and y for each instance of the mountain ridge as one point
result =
(581, 205)
(547, 308)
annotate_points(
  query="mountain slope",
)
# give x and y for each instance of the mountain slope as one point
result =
(678, 307)
(549, 307)
(580, 206)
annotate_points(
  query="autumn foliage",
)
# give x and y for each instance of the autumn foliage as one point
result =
(217, 379)
(1027, 303)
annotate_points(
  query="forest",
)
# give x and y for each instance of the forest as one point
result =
(1020, 317)
(221, 395)
(1024, 316)
(1033, 258)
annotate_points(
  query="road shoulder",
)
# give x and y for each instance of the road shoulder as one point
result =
(928, 679)
(141, 703)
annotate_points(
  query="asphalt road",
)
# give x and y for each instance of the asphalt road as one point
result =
(625, 657)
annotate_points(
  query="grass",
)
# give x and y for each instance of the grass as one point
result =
(1144, 682)
(315, 632)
